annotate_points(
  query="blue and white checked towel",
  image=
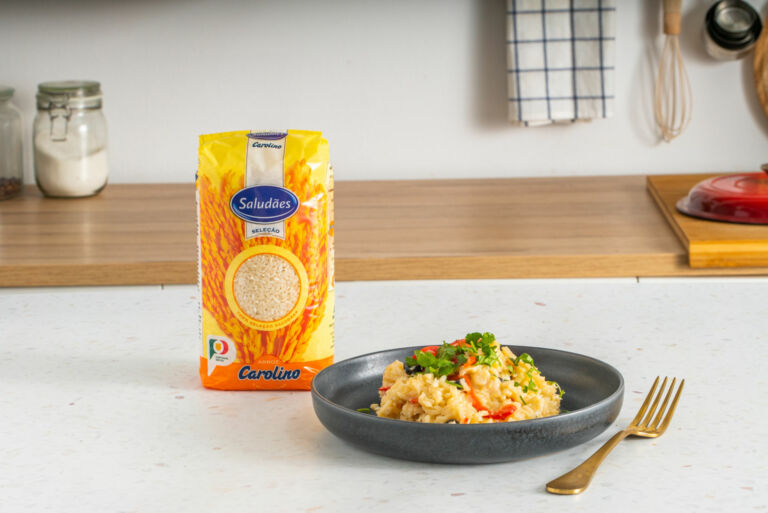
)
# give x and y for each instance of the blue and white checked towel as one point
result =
(560, 56)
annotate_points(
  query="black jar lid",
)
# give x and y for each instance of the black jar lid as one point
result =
(76, 88)
(80, 94)
(733, 24)
(6, 92)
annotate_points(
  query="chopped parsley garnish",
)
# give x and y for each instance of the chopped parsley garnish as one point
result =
(364, 410)
(489, 356)
(472, 339)
(525, 358)
(558, 387)
(447, 359)
(439, 364)
(530, 387)
(482, 347)
(475, 349)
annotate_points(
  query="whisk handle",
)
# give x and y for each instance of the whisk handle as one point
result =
(672, 17)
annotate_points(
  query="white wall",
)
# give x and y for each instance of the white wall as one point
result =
(402, 89)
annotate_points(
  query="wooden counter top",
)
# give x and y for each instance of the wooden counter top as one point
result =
(421, 229)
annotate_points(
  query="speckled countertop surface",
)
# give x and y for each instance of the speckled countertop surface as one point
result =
(101, 409)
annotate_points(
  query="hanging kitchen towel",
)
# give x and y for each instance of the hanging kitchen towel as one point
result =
(560, 56)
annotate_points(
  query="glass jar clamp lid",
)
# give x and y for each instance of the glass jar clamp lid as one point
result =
(61, 97)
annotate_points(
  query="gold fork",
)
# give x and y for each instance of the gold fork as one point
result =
(577, 480)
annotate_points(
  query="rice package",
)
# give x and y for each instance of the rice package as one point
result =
(265, 223)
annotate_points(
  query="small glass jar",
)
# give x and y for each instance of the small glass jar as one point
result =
(70, 139)
(11, 155)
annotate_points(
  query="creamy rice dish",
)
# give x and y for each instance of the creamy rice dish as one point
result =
(473, 380)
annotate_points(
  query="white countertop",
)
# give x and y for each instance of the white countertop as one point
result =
(101, 407)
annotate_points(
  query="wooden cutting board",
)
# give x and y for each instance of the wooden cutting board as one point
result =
(710, 244)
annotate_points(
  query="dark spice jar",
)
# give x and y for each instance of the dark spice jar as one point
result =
(11, 163)
(731, 29)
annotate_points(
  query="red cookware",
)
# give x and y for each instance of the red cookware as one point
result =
(740, 198)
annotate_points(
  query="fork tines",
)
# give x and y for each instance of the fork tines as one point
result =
(646, 417)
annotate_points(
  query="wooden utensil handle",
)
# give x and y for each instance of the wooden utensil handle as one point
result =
(760, 66)
(672, 17)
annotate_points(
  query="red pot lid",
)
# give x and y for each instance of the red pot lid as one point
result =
(741, 198)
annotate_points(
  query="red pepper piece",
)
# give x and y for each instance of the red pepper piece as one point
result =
(475, 400)
(470, 362)
(383, 389)
(503, 413)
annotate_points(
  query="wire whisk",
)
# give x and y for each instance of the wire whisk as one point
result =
(673, 98)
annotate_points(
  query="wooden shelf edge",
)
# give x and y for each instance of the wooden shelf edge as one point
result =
(144, 273)
(379, 269)
(523, 267)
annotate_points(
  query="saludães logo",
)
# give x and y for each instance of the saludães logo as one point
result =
(264, 204)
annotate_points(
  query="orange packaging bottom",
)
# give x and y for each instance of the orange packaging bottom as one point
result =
(266, 373)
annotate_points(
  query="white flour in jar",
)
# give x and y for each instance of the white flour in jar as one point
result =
(61, 173)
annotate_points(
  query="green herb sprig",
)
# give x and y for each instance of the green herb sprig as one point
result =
(526, 358)
(438, 364)
(558, 387)
(448, 359)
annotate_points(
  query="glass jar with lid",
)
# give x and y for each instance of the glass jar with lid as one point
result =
(70, 139)
(11, 157)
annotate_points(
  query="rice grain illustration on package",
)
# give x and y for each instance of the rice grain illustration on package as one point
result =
(265, 222)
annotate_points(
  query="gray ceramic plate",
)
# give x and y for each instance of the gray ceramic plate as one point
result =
(593, 396)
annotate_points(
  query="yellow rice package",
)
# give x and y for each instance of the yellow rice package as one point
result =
(265, 223)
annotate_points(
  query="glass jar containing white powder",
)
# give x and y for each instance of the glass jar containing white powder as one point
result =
(70, 139)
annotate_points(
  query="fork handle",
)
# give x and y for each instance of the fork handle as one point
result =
(577, 480)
